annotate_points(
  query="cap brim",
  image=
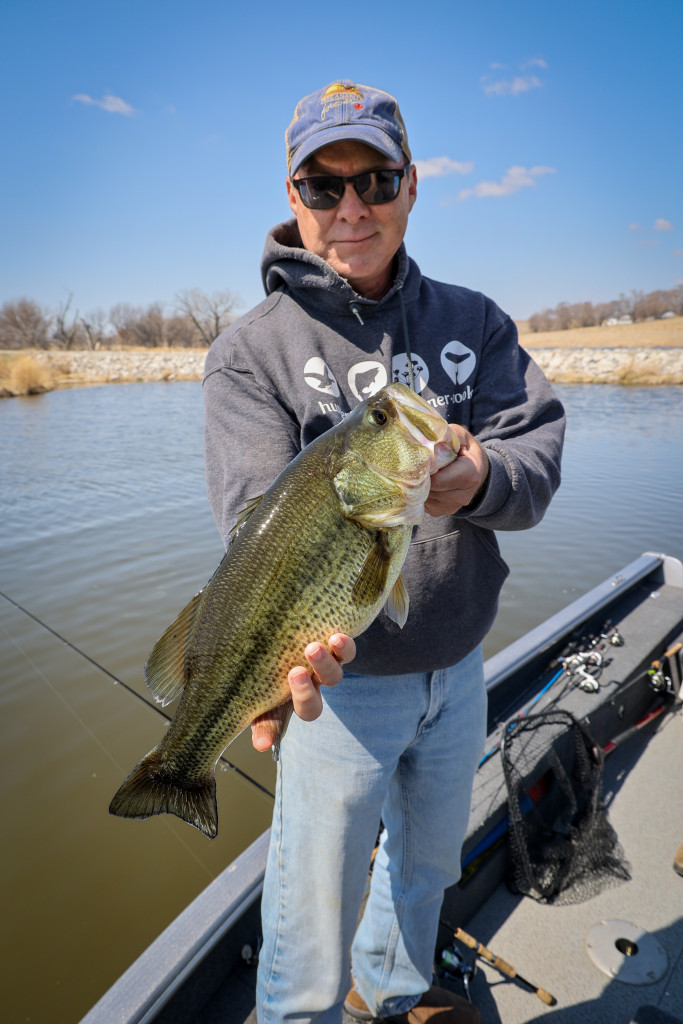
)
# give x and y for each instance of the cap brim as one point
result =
(366, 133)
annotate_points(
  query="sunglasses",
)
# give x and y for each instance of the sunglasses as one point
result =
(324, 191)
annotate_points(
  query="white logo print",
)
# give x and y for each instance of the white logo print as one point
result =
(400, 370)
(319, 376)
(366, 379)
(458, 361)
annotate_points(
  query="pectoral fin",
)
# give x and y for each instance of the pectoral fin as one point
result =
(372, 579)
(398, 603)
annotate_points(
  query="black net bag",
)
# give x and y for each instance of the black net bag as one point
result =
(562, 847)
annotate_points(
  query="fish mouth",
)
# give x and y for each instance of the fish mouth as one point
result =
(425, 426)
(427, 429)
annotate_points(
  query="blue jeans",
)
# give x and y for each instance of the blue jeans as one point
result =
(401, 748)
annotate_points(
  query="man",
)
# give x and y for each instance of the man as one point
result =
(399, 740)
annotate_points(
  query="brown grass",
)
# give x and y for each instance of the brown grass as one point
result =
(24, 375)
(652, 334)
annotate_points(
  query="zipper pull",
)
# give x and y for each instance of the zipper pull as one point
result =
(355, 309)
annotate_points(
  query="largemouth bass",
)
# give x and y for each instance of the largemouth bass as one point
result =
(321, 552)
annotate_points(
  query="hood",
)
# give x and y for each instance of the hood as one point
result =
(286, 263)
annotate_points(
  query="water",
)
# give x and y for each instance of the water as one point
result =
(105, 533)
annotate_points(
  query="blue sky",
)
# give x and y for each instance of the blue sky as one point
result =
(143, 143)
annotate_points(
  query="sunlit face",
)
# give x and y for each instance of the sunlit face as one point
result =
(357, 240)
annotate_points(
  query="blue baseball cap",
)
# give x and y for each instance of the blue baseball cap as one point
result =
(345, 110)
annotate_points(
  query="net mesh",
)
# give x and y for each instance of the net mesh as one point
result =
(562, 847)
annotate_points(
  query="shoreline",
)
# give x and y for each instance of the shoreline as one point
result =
(625, 365)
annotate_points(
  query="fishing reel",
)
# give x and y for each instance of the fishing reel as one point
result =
(666, 672)
(452, 964)
(584, 668)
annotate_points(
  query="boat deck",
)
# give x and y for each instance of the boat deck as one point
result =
(643, 788)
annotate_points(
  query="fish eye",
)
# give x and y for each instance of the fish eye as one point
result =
(379, 416)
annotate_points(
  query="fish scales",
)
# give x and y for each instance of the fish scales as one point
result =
(320, 553)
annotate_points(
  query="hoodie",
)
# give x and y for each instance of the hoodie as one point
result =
(298, 362)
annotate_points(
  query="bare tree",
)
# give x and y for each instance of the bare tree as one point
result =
(210, 314)
(138, 326)
(68, 331)
(93, 328)
(23, 324)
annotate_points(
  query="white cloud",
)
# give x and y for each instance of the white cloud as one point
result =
(663, 225)
(438, 166)
(513, 87)
(112, 104)
(512, 181)
(633, 226)
(517, 84)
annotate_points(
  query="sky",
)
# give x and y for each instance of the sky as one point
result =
(143, 142)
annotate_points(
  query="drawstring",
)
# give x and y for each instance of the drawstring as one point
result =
(406, 338)
(353, 306)
(355, 309)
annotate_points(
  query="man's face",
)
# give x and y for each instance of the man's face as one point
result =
(357, 240)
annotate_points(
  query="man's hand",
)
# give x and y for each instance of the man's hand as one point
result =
(457, 483)
(325, 669)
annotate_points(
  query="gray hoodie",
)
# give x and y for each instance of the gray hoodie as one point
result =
(297, 363)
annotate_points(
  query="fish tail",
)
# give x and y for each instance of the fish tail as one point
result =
(151, 789)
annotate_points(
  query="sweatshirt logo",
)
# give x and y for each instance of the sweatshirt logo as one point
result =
(458, 361)
(400, 371)
(319, 376)
(366, 378)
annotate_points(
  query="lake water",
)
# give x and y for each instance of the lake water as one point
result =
(105, 533)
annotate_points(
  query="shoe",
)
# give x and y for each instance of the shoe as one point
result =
(678, 860)
(438, 1006)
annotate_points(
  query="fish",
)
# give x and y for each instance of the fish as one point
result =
(320, 552)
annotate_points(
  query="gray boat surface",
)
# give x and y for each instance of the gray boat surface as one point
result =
(198, 971)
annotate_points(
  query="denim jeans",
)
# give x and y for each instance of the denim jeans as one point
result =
(403, 749)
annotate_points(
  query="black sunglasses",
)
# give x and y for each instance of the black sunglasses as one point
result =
(324, 191)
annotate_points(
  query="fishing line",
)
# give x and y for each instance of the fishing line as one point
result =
(87, 728)
(119, 682)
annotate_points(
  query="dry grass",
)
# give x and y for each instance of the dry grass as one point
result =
(652, 334)
(24, 375)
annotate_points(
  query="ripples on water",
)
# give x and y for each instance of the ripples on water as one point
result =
(621, 495)
(105, 534)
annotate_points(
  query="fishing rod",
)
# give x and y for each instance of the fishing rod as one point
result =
(582, 668)
(499, 964)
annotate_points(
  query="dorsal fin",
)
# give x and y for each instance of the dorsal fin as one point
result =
(250, 507)
(165, 673)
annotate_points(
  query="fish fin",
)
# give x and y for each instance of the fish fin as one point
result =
(372, 578)
(242, 517)
(398, 603)
(165, 672)
(150, 790)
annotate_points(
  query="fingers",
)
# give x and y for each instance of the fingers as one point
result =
(324, 669)
(456, 484)
(308, 704)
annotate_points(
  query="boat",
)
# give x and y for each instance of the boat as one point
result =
(609, 661)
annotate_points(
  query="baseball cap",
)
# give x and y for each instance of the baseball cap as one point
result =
(344, 110)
